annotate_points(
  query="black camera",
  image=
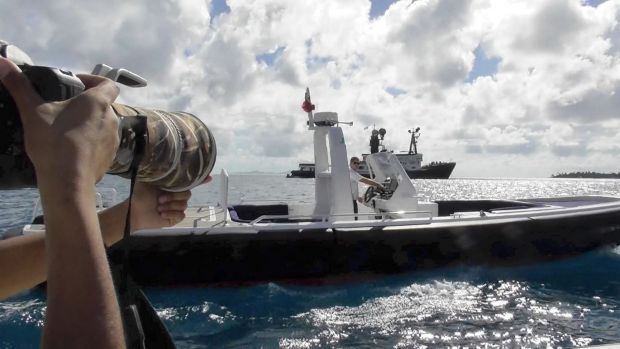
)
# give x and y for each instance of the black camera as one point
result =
(179, 153)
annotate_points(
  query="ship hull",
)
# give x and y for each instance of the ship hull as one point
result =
(433, 171)
(300, 174)
(442, 170)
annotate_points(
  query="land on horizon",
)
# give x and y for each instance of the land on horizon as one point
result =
(586, 174)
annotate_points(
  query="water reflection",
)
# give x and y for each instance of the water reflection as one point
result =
(568, 303)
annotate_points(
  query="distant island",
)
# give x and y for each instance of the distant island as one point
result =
(587, 174)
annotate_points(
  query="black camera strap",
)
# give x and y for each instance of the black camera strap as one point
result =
(140, 137)
(143, 327)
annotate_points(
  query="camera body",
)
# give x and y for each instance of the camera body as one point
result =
(180, 150)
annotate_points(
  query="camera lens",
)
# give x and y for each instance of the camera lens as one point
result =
(180, 150)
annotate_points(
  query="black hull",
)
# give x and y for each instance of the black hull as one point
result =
(300, 174)
(340, 254)
(442, 170)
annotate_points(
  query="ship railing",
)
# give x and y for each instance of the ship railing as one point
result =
(385, 217)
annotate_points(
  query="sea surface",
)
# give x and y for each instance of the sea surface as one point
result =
(570, 303)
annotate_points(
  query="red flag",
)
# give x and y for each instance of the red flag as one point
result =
(307, 106)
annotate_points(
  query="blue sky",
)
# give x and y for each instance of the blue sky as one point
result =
(378, 7)
(270, 57)
(217, 8)
(483, 65)
(595, 3)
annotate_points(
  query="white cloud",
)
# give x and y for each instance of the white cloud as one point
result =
(552, 105)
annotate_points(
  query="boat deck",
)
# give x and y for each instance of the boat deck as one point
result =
(217, 217)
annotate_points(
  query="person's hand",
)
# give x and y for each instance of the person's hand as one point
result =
(153, 208)
(71, 145)
(69, 141)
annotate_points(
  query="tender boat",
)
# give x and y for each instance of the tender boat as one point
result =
(395, 231)
(306, 170)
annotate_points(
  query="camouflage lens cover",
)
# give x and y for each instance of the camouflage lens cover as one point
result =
(180, 151)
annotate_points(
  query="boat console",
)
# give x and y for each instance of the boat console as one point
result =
(332, 181)
(400, 198)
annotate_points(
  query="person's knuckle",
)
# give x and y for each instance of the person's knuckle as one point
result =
(46, 108)
(96, 100)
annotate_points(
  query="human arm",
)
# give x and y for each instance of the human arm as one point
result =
(23, 260)
(373, 183)
(22, 263)
(71, 145)
(79, 283)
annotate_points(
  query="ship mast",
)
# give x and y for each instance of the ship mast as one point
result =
(413, 144)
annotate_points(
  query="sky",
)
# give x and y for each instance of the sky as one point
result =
(505, 88)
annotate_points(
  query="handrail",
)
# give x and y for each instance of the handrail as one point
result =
(325, 218)
(109, 193)
(99, 202)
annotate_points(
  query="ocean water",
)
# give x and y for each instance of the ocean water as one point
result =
(569, 303)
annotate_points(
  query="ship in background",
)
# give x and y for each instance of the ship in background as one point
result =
(411, 160)
(306, 170)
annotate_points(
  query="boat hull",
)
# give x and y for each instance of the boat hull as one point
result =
(441, 170)
(433, 171)
(300, 174)
(328, 254)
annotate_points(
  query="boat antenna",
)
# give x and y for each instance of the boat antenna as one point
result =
(415, 134)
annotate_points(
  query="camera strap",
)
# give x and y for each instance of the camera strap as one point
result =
(143, 327)
(140, 134)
